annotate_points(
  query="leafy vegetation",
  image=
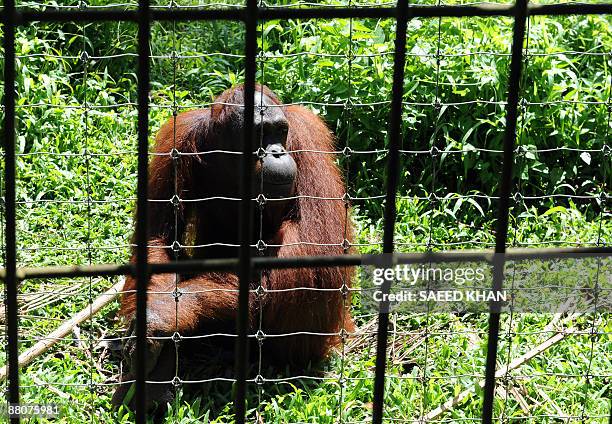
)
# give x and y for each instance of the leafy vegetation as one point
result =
(76, 168)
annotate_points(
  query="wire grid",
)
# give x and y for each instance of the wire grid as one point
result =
(394, 151)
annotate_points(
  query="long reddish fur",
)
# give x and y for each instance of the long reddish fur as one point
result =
(314, 220)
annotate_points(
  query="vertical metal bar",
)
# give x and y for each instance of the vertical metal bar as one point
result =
(390, 207)
(520, 15)
(142, 276)
(518, 204)
(246, 216)
(10, 279)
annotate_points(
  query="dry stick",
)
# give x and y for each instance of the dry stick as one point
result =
(43, 345)
(449, 404)
(49, 387)
(565, 307)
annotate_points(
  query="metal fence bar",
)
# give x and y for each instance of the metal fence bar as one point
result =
(246, 219)
(142, 274)
(390, 214)
(268, 262)
(236, 14)
(501, 234)
(10, 277)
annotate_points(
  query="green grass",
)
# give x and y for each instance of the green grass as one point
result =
(69, 154)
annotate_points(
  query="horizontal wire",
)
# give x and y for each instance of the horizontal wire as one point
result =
(296, 289)
(354, 334)
(307, 243)
(496, 419)
(558, 242)
(568, 332)
(261, 335)
(76, 106)
(74, 154)
(94, 106)
(318, 4)
(330, 379)
(83, 247)
(345, 152)
(193, 337)
(264, 5)
(563, 418)
(446, 198)
(198, 12)
(46, 6)
(275, 55)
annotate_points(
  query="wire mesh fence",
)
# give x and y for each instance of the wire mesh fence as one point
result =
(87, 252)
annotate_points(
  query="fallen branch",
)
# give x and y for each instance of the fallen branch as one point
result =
(560, 335)
(45, 344)
(50, 387)
(449, 404)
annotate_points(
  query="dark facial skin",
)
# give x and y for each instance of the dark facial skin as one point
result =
(275, 167)
(274, 170)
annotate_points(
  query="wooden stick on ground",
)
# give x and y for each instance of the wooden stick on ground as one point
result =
(560, 335)
(449, 404)
(43, 345)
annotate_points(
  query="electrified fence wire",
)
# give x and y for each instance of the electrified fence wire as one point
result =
(245, 265)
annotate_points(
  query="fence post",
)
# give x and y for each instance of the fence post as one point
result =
(246, 218)
(501, 235)
(393, 168)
